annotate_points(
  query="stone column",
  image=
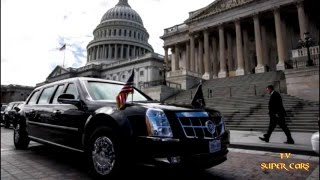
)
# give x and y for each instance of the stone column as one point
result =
(285, 42)
(98, 52)
(207, 65)
(229, 52)
(240, 69)
(214, 58)
(115, 51)
(166, 56)
(134, 52)
(192, 54)
(105, 52)
(177, 57)
(88, 55)
(247, 62)
(257, 34)
(128, 52)
(122, 51)
(173, 59)
(200, 54)
(265, 58)
(302, 19)
(187, 64)
(222, 72)
(110, 52)
(280, 47)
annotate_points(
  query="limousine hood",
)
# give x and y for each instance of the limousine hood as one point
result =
(167, 107)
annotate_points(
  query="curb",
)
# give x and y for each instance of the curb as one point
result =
(272, 148)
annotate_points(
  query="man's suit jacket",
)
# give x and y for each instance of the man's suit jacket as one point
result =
(275, 105)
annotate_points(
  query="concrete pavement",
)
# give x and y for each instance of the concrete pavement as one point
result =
(250, 140)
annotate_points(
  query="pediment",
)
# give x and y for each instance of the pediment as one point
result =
(216, 7)
(58, 70)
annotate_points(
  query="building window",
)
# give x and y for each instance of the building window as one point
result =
(141, 73)
(134, 35)
(119, 34)
(125, 32)
(114, 78)
(109, 32)
(114, 32)
(129, 33)
(123, 76)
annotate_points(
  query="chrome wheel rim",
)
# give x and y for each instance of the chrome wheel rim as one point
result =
(103, 155)
(16, 133)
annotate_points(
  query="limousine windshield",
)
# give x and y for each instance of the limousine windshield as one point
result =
(103, 91)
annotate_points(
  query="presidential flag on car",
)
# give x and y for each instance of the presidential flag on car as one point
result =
(125, 91)
(198, 99)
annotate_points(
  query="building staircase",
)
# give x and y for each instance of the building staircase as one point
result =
(244, 103)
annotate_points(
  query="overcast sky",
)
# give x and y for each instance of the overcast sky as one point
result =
(33, 30)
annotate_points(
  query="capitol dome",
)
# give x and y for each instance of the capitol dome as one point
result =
(119, 36)
(122, 11)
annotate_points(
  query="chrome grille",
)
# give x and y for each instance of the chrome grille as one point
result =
(199, 125)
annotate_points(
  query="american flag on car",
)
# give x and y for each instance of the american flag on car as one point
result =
(125, 91)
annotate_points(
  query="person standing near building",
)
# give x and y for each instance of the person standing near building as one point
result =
(277, 115)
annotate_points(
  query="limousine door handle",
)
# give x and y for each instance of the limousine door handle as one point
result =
(57, 112)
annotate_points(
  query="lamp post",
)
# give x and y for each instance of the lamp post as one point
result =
(307, 43)
(164, 69)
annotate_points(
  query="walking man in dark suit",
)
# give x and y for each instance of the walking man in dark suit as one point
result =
(277, 115)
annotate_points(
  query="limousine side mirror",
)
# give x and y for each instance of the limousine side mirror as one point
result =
(16, 109)
(68, 99)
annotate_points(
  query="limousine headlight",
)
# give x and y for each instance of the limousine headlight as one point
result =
(157, 123)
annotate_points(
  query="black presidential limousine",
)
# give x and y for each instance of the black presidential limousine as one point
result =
(81, 114)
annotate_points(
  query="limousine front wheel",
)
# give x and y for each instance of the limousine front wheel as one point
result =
(103, 153)
(20, 137)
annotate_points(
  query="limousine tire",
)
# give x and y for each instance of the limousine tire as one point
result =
(20, 137)
(103, 153)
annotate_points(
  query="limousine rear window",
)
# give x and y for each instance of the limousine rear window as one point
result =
(108, 92)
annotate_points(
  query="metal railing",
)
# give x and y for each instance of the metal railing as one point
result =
(254, 89)
(300, 57)
(160, 82)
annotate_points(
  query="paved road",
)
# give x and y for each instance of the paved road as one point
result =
(44, 162)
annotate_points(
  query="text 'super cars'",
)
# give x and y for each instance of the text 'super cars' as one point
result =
(81, 114)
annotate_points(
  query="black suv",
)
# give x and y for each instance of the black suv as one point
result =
(10, 113)
(81, 114)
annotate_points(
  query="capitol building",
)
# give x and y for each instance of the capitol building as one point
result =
(120, 44)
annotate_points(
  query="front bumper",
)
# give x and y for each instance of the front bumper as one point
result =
(193, 151)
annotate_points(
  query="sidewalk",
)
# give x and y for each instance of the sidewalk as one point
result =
(250, 140)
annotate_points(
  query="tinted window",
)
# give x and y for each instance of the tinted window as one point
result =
(58, 92)
(71, 89)
(34, 97)
(9, 107)
(45, 96)
(109, 92)
(3, 107)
